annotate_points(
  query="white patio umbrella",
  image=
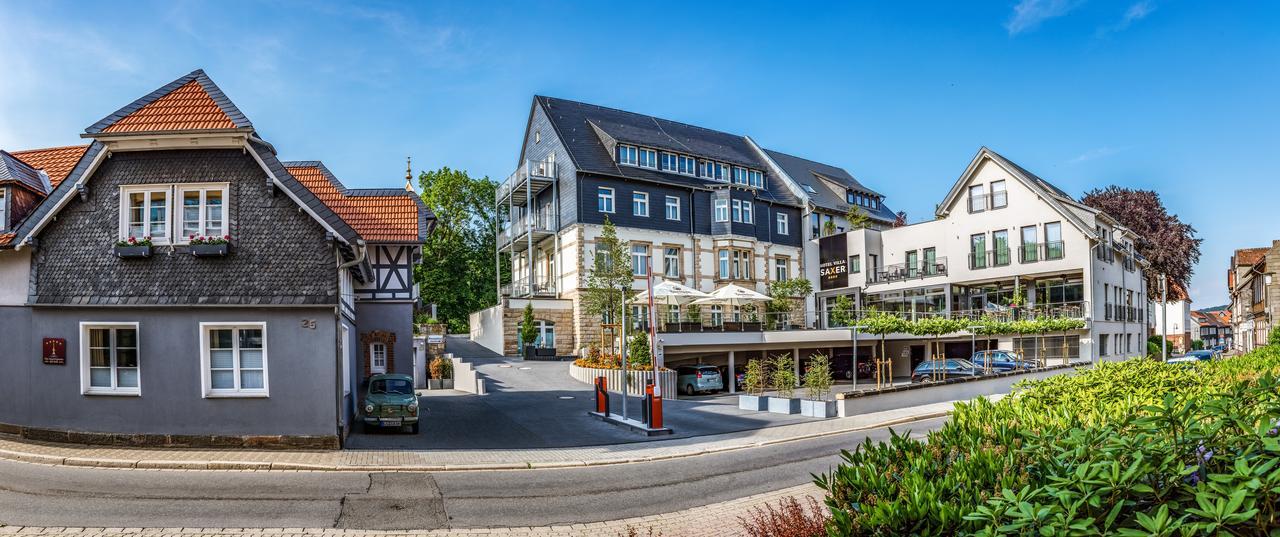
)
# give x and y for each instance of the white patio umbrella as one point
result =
(733, 295)
(670, 293)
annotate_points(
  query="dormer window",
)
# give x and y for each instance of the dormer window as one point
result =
(146, 213)
(746, 176)
(627, 155)
(713, 170)
(202, 211)
(648, 158)
(149, 211)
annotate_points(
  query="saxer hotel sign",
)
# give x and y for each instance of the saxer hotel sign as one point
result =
(833, 262)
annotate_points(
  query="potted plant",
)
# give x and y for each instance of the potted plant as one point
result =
(528, 333)
(783, 378)
(441, 374)
(817, 384)
(210, 246)
(133, 247)
(753, 384)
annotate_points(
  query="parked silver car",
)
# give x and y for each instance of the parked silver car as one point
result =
(693, 379)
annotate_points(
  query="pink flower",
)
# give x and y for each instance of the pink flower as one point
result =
(226, 237)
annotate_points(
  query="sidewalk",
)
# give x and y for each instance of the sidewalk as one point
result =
(715, 520)
(448, 460)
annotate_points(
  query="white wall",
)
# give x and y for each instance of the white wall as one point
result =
(15, 272)
(486, 328)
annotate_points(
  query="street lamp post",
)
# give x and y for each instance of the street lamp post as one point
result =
(1164, 317)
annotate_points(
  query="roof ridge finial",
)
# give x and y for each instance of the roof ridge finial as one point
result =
(408, 174)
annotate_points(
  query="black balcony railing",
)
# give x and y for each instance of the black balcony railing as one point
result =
(998, 257)
(905, 271)
(1031, 252)
(987, 201)
(1109, 312)
(523, 288)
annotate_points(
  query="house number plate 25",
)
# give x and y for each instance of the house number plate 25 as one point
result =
(309, 323)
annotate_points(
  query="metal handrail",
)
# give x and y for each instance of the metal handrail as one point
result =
(995, 257)
(903, 271)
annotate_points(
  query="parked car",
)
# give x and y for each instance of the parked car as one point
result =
(950, 368)
(1001, 361)
(1183, 360)
(1219, 348)
(693, 379)
(738, 377)
(391, 402)
(1205, 355)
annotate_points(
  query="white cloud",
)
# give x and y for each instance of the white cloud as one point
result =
(1029, 14)
(1096, 153)
(1135, 13)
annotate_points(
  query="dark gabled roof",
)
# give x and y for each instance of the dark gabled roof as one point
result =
(823, 178)
(581, 126)
(192, 102)
(15, 171)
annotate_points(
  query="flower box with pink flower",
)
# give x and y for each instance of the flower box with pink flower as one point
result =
(133, 248)
(210, 246)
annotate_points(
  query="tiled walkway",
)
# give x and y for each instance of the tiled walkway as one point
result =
(715, 520)
(12, 448)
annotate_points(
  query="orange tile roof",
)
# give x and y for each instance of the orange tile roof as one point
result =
(376, 218)
(187, 108)
(57, 162)
(1250, 256)
(5, 238)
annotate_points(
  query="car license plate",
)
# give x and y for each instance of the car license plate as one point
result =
(389, 422)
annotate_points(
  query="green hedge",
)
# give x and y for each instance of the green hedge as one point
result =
(1133, 448)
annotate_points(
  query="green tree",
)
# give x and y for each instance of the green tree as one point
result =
(782, 375)
(842, 313)
(609, 281)
(858, 218)
(638, 355)
(528, 330)
(817, 379)
(787, 298)
(457, 269)
(1274, 338)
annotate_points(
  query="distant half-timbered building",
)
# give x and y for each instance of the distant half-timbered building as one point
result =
(174, 282)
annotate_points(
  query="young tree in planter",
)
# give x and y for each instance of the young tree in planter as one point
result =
(755, 379)
(528, 329)
(785, 294)
(783, 375)
(882, 324)
(858, 218)
(609, 280)
(817, 379)
(638, 354)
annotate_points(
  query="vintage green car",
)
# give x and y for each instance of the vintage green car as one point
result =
(391, 402)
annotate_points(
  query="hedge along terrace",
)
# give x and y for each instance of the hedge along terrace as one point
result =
(1131, 448)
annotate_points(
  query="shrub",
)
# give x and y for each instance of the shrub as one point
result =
(755, 378)
(783, 376)
(638, 355)
(528, 330)
(441, 368)
(1274, 338)
(790, 518)
(1131, 448)
(817, 379)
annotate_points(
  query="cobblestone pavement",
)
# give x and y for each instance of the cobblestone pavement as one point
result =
(12, 448)
(715, 520)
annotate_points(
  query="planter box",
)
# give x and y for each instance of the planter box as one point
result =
(446, 384)
(778, 405)
(132, 252)
(210, 250)
(818, 409)
(530, 352)
(435, 384)
(755, 403)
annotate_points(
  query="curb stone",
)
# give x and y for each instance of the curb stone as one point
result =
(159, 464)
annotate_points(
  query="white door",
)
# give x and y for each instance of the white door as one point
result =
(377, 358)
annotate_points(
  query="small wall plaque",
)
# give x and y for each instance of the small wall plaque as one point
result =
(55, 351)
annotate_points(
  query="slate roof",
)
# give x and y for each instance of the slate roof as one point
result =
(581, 125)
(825, 194)
(57, 162)
(377, 215)
(190, 103)
(15, 171)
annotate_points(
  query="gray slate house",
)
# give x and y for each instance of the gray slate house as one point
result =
(174, 282)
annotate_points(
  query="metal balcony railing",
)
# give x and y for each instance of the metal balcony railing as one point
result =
(904, 271)
(997, 257)
(523, 289)
(705, 319)
(989, 200)
(541, 173)
(541, 222)
(1031, 252)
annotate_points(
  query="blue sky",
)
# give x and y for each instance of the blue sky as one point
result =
(1180, 97)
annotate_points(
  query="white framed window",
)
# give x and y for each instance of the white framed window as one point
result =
(604, 199)
(755, 178)
(686, 165)
(377, 358)
(781, 269)
(671, 262)
(627, 155)
(203, 211)
(648, 158)
(4, 213)
(233, 359)
(639, 259)
(713, 170)
(145, 212)
(667, 162)
(737, 210)
(784, 224)
(746, 213)
(999, 197)
(640, 203)
(673, 208)
(344, 337)
(721, 211)
(724, 264)
(109, 359)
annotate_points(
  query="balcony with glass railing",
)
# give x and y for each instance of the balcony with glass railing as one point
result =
(1031, 252)
(907, 271)
(525, 289)
(541, 224)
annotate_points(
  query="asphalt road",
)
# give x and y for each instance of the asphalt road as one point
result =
(38, 495)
